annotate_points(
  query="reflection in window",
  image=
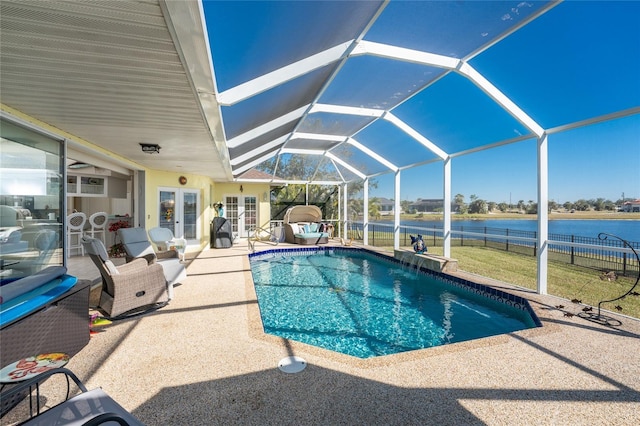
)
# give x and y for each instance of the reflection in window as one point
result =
(31, 201)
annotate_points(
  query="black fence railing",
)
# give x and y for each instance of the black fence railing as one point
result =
(589, 252)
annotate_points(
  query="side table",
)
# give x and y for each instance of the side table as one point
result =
(29, 367)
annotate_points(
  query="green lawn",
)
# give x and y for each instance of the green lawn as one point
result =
(570, 282)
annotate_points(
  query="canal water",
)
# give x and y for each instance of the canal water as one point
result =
(626, 229)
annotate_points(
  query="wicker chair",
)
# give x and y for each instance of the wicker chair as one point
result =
(129, 288)
(137, 245)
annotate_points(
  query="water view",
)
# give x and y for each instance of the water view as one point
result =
(626, 229)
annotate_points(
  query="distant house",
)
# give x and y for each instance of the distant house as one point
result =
(631, 206)
(427, 205)
(386, 206)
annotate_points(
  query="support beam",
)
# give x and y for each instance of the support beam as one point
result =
(414, 134)
(365, 212)
(543, 213)
(280, 76)
(345, 215)
(446, 208)
(345, 165)
(396, 213)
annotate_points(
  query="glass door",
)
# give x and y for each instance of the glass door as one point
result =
(178, 211)
(242, 211)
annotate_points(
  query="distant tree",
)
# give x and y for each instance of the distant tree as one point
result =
(492, 205)
(582, 205)
(532, 208)
(374, 208)
(521, 205)
(503, 207)
(478, 206)
(458, 204)
(553, 206)
(405, 205)
(568, 205)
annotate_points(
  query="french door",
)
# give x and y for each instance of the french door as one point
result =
(242, 211)
(178, 211)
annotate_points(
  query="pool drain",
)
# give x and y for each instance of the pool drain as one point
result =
(292, 364)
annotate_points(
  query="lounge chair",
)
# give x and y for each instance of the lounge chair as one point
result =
(303, 225)
(88, 407)
(129, 288)
(137, 245)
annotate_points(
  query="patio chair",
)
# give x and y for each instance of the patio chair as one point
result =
(88, 407)
(163, 239)
(129, 288)
(75, 227)
(98, 222)
(137, 245)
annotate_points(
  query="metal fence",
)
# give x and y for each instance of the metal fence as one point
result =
(602, 254)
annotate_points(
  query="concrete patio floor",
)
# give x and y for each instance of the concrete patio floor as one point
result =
(203, 359)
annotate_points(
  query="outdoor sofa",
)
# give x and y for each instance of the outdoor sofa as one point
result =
(303, 225)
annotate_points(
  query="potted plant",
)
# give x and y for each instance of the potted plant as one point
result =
(117, 250)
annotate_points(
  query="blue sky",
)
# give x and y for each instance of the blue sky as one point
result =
(599, 161)
(576, 62)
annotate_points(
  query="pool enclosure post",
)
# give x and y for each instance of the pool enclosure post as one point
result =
(543, 213)
(396, 213)
(345, 217)
(365, 213)
(446, 196)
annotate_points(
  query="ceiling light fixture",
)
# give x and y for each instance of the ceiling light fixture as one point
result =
(150, 148)
(79, 165)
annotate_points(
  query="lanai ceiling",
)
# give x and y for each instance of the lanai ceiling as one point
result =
(346, 89)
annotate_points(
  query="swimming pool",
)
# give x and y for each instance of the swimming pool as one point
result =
(363, 304)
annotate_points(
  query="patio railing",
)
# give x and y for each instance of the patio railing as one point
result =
(609, 255)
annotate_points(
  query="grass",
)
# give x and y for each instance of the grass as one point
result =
(563, 280)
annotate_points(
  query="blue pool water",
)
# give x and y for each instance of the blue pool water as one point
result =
(362, 304)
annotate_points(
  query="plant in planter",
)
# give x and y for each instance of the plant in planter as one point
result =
(117, 250)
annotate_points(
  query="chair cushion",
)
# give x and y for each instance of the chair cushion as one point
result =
(96, 247)
(111, 267)
(135, 242)
(160, 234)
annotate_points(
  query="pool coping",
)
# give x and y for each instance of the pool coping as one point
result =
(505, 292)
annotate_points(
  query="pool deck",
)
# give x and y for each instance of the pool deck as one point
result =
(203, 359)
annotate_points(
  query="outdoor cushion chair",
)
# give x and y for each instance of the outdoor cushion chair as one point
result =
(302, 225)
(128, 288)
(137, 245)
(163, 239)
(88, 407)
